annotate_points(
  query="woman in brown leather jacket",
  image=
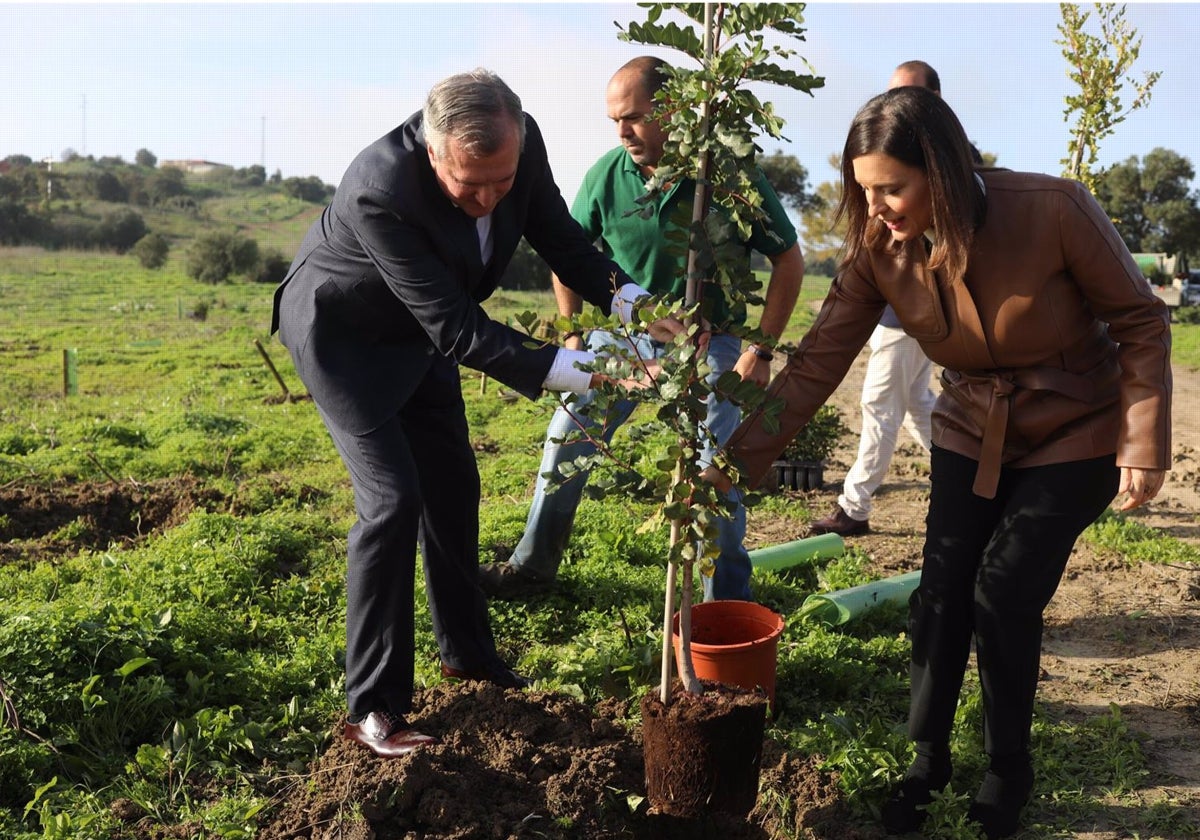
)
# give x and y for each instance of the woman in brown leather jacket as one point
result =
(1055, 398)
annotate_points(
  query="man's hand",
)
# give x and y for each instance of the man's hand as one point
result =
(664, 330)
(1141, 485)
(753, 368)
(652, 370)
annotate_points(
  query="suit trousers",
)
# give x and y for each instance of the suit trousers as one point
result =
(990, 568)
(415, 481)
(895, 393)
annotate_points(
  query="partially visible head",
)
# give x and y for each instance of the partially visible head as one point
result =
(916, 74)
(630, 100)
(474, 133)
(912, 134)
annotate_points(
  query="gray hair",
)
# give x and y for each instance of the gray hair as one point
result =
(470, 107)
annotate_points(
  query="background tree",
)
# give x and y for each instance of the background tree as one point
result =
(146, 158)
(251, 176)
(527, 270)
(823, 237)
(164, 184)
(1099, 65)
(108, 187)
(789, 179)
(1150, 203)
(311, 189)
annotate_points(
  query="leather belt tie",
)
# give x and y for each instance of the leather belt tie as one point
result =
(987, 475)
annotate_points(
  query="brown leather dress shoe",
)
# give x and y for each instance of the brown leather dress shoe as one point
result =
(498, 675)
(386, 735)
(506, 581)
(839, 522)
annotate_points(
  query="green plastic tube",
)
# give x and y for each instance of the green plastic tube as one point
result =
(788, 554)
(836, 608)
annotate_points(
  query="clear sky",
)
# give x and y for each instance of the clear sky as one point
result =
(301, 87)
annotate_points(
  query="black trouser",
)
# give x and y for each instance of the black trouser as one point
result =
(991, 567)
(415, 480)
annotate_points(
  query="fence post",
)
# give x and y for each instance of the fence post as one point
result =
(70, 372)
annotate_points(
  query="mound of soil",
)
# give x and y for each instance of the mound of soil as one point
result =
(526, 764)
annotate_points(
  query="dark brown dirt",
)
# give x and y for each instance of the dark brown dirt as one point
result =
(45, 522)
(524, 765)
(703, 752)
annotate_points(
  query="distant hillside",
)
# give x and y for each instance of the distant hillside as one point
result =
(109, 204)
(202, 212)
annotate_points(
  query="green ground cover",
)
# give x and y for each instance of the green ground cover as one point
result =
(213, 646)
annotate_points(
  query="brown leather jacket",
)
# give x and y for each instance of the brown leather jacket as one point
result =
(1054, 348)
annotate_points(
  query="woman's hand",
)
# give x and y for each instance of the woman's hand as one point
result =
(754, 365)
(1141, 485)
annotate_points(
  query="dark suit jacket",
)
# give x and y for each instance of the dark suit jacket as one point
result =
(390, 277)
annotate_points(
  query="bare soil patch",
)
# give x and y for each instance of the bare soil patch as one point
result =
(40, 522)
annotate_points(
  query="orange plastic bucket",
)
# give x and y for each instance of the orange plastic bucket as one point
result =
(736, 643)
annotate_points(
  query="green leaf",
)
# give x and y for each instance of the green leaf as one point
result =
(132, 665)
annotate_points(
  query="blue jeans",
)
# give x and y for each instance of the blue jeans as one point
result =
(548, 527)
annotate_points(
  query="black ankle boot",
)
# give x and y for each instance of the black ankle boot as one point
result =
(904, 810)
(1004, 792)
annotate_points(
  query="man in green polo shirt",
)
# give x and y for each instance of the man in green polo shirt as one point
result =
(639, 245)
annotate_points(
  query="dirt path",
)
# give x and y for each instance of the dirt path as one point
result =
(1115, 633)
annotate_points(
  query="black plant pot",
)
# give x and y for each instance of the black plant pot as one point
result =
(794, 475)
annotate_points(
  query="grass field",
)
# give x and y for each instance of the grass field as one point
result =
(209, 646)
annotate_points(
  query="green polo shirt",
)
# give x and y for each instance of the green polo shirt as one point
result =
(611, 189)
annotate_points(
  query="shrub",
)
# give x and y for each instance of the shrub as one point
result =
(215, 256)
(17, 224)
(120, 229)
(151, 250)
(273, 269)
(817, 440)
(1187, 315)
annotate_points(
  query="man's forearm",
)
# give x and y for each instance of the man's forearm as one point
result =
(569, 302)
(783, 289)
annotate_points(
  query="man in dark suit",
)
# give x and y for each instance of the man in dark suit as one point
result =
(380, 307)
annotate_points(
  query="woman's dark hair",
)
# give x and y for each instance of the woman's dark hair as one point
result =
(914, 126)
